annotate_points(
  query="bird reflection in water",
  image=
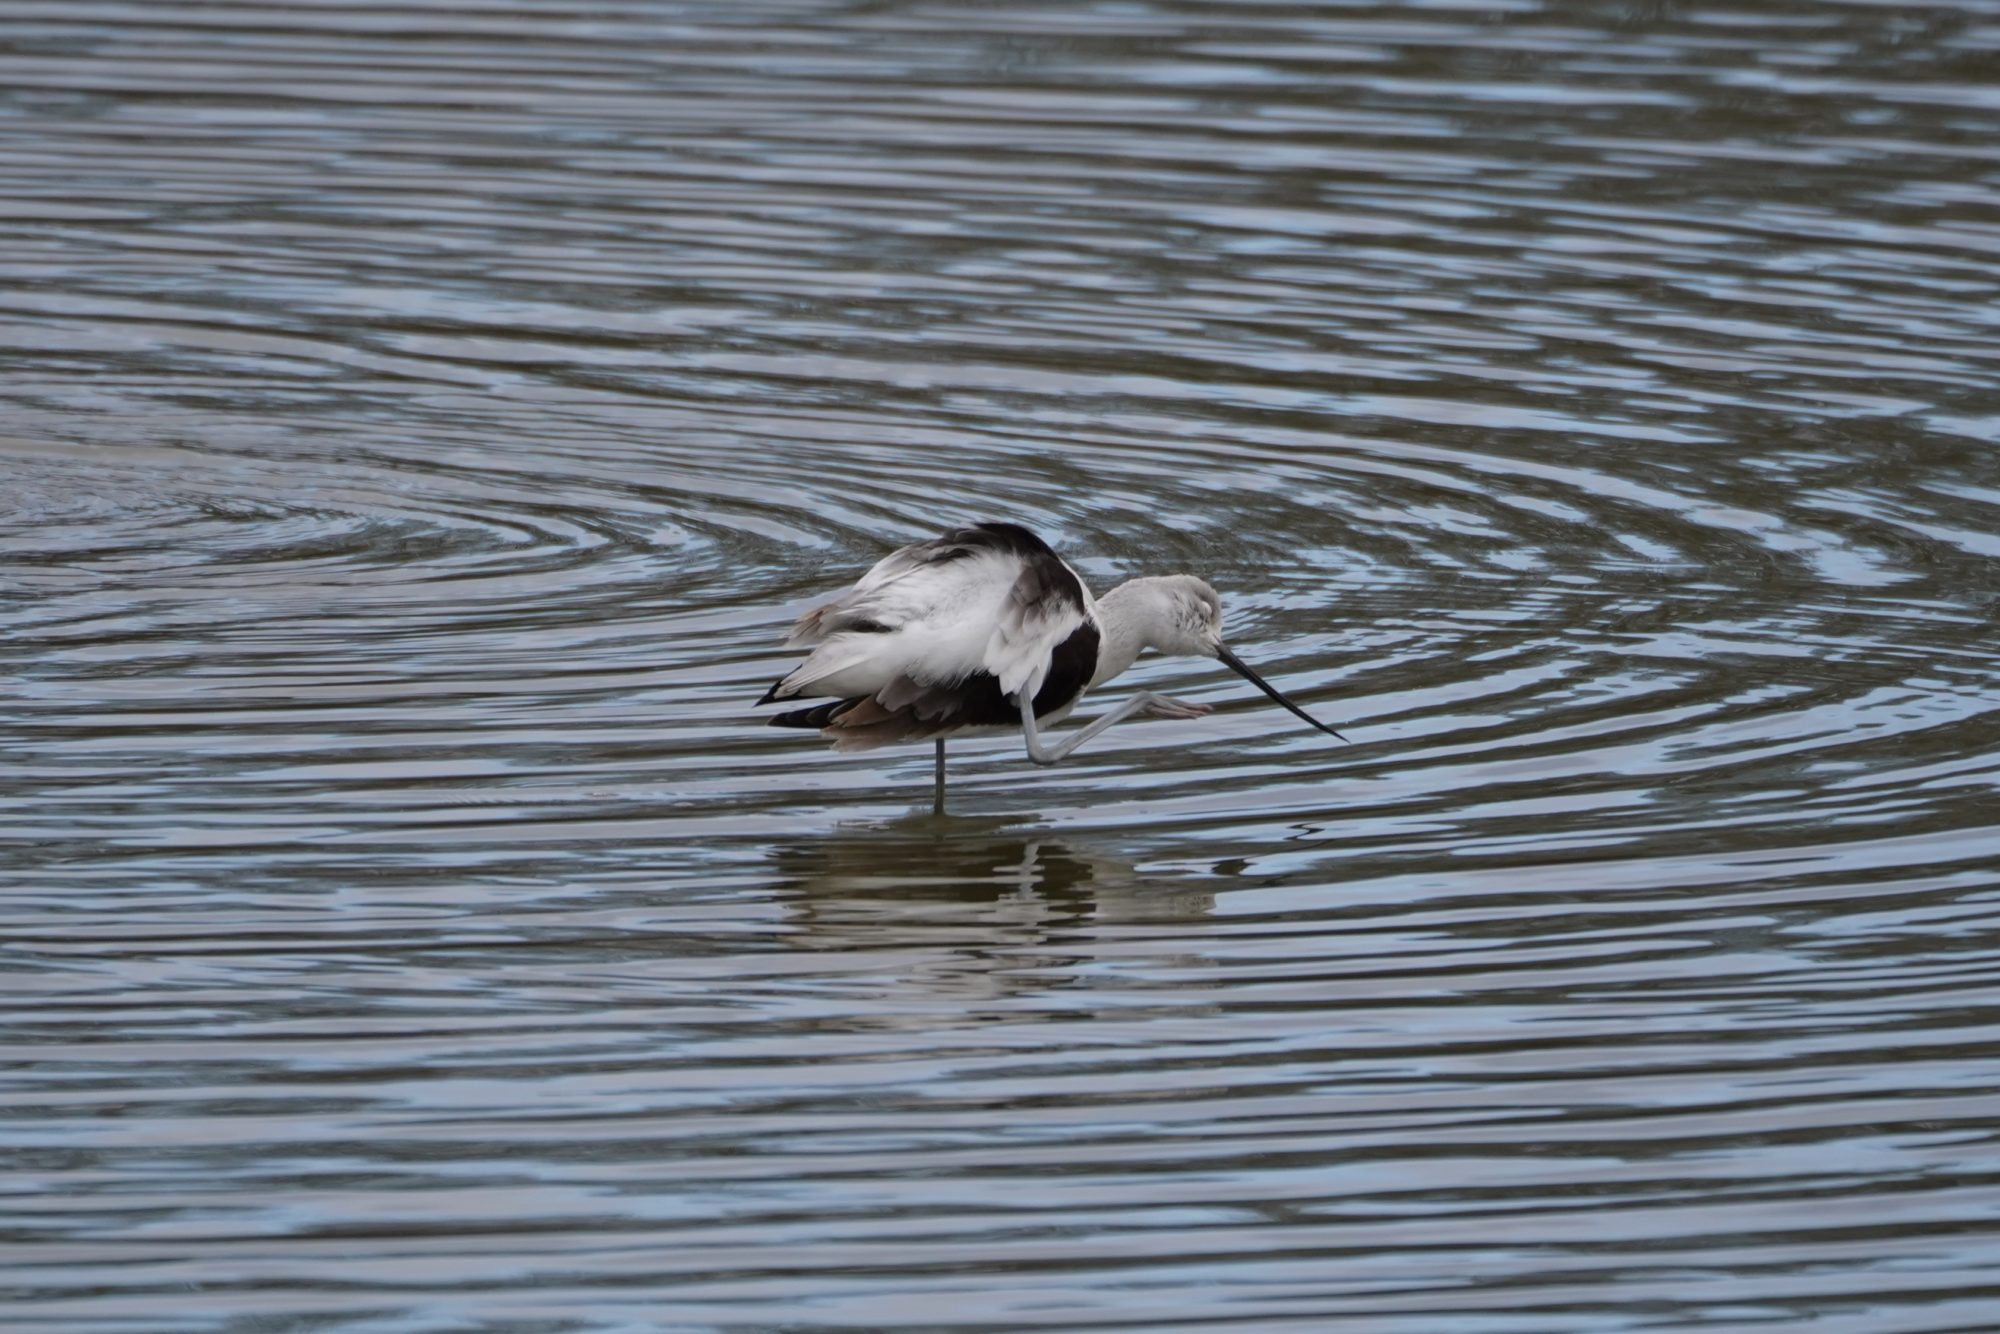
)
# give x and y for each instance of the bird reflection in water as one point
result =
(951, 901)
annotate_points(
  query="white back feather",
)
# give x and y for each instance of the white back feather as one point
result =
(929, 621)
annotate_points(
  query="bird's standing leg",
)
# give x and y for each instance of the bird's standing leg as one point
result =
(937, 791)
(1144, 701)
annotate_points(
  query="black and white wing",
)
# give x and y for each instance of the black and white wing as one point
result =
(957, 618)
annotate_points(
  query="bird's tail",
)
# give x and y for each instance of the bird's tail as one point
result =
(819, 715)
(862, 723)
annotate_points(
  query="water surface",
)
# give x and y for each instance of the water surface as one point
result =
(423, 421)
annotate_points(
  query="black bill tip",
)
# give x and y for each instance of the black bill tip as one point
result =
(1242, 669)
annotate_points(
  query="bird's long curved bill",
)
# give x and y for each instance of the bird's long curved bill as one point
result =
(1242, 669)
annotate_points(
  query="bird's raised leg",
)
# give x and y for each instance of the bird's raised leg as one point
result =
(1166, 706)
(1145, 701)
(937, 792)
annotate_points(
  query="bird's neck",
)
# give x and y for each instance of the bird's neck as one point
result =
(1121, 623)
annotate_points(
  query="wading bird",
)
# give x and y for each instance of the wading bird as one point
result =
(986, 630)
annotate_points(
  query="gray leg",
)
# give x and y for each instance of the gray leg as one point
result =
(1145, 701)
(937, 791)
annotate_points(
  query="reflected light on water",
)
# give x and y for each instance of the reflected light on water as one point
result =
(422, 423)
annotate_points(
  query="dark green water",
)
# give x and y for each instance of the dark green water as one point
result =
(422, 422)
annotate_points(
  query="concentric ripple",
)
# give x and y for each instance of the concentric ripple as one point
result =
(423, 422)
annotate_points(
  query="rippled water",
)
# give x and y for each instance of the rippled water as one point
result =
(422, 422)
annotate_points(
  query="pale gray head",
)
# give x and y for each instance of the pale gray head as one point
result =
(1186, 619)
(1183, 617)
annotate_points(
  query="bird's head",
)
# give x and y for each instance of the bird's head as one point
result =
(1187, 622)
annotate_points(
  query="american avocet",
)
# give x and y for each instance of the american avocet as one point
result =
(986, 630)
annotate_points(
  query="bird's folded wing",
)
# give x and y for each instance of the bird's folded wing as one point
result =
(1044, 607)
(861, 606)
(978, 600)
